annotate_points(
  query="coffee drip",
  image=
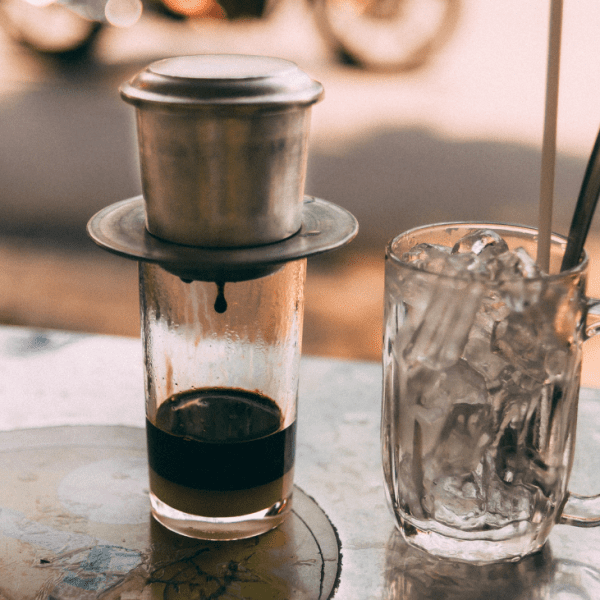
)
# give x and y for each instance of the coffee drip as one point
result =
(220, 302)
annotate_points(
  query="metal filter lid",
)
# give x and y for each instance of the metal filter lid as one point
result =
(223, 142)
(217, 79)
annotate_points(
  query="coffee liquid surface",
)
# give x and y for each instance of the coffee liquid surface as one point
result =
(220, 439)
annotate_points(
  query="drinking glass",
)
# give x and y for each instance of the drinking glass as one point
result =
(481, 385)
(221, 373)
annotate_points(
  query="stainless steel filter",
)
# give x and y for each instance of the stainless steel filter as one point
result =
(223, 147)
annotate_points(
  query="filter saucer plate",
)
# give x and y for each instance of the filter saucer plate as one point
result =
(121, 228)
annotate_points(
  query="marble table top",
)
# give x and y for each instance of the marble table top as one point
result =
(56, 379)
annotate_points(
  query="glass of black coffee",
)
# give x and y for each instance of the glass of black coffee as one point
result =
(221, 362)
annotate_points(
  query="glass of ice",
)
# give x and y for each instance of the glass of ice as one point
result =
(482, 362)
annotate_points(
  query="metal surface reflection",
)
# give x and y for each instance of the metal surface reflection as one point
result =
(411, 574)
(63, 536)
(52, 526)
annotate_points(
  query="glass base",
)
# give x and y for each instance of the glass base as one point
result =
(221, 528)
(474, 547)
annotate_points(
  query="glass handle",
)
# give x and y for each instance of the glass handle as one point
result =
(584, 511)
(593, 318)
(581, 511)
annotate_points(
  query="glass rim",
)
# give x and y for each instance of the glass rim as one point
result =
(556, 238)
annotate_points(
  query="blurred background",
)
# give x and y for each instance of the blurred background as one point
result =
(433, 111)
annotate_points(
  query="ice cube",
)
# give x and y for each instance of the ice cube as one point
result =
(427, 257)
(519, 480)
(437, 259)
(515, 266)
(458, 384)
(412, 290)
(458, 502)
(525, 266)
(468, 265)
(479, 354)
(479, 241)
(467, 431)
(520, 294)
(557, 363)
(516, 339)
(432, 395)
(507, 503)
(452, 475)
(440, 337)
(492, 309)
(409, 479)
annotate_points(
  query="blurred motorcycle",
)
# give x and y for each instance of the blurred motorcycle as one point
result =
(390, 35)
(393, 35)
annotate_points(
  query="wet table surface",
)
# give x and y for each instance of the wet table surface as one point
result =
(74, 517)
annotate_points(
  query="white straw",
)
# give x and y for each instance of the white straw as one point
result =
(549, 141)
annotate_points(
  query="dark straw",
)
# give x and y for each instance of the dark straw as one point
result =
(584, 210)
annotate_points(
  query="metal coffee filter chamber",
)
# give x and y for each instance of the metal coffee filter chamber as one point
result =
(223, 148)
(222, 233)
